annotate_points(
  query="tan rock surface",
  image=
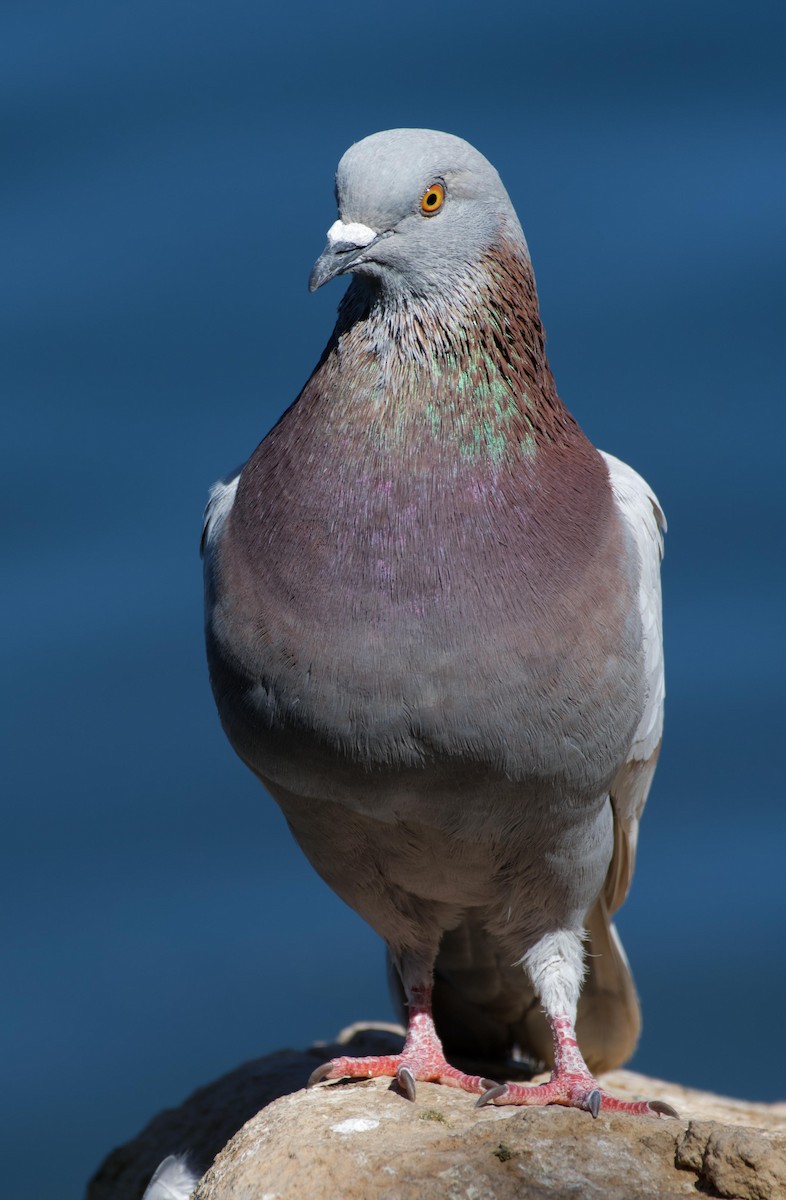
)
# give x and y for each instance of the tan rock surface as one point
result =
(363, 1141)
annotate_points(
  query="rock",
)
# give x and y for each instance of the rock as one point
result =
(269, 1139)
(745, 1163)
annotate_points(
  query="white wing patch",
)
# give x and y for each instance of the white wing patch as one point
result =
(644, 517)
(219, 505)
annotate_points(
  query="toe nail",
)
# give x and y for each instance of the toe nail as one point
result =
(593, 1102)
(320, 1074)
(491, 1095)
(406, 1081)
(663, 1110)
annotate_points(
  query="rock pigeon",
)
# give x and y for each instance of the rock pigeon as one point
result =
(434, 633)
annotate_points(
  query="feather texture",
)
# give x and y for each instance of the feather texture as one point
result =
(173, 1180)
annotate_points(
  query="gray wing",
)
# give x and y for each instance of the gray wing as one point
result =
(609, 1019)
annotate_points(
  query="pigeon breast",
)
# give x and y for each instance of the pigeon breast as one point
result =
(424, 568)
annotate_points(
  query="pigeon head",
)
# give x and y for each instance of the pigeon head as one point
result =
(417, 208)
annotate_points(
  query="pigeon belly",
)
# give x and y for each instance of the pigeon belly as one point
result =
(401, 712)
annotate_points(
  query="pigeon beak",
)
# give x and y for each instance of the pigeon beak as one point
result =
(342, 252)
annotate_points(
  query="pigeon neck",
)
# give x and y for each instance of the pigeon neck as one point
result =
(461, 372)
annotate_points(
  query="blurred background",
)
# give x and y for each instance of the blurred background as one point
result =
(167, 181)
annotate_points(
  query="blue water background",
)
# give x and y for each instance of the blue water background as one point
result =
(166, 183)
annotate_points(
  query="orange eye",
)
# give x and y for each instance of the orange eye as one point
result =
(433, 200)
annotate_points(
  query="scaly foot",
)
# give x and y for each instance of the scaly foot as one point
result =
(574, 1091)
(406, 1069)
(572, 1084)
(421, 1059)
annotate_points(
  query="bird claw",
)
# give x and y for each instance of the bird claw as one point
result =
(406, 1081)
(488, 1097)
(662, 1109)
(405, 1070)
(322, 1072)
(593, 1100)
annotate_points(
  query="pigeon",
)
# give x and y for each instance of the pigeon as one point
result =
(433, 624)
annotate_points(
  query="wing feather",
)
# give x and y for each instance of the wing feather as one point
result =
(609, 1019)
(173, 1180)
(219, 504)
(644, 517)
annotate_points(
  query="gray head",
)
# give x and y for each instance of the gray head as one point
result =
(416, 208)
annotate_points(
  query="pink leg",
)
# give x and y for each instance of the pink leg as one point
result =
(571, 1083)
(422, 1057)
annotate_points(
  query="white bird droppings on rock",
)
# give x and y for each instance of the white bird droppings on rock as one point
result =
(355, 1125)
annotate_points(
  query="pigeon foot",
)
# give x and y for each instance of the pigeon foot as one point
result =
(406, 1069)
(574, 1090)
(422, 1058)
(572, 1084)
